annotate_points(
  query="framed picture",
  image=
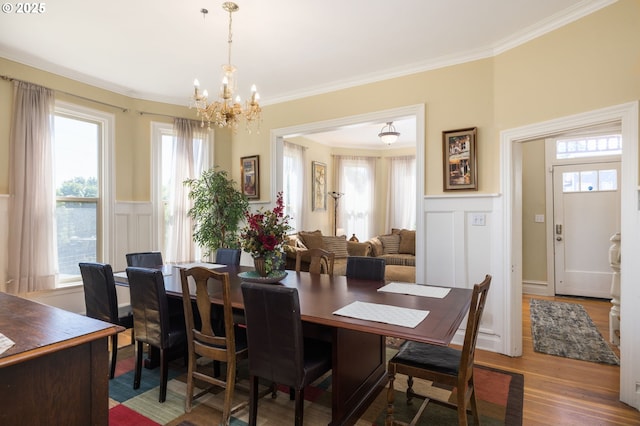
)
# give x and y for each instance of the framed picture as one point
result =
(460, 169)
(250, 176)
(318, 186)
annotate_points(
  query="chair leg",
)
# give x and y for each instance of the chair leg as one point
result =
(253, 400)
(299, 406)
(390, 399)
(138, 373)
(190, 382)
(114, 355)
(409, 390)
(474, 407)
(164, 369)
(228, 391)
(462, 406)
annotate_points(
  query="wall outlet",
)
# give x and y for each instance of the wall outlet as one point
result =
(539, 218)
(477, 219)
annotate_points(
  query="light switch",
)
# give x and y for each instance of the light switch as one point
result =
(539, 218)
(477, 219)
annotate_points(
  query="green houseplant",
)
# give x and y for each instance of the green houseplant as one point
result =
(218, 208)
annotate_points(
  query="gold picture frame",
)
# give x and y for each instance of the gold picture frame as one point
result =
(318, 186)
(460, 168)
(250, 176)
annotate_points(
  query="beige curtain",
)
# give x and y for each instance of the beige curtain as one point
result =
(355, 178)
(32, 248)
(188, 160)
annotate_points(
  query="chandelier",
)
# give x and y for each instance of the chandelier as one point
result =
(226, 111)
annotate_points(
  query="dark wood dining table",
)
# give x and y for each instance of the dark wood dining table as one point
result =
(359, 361)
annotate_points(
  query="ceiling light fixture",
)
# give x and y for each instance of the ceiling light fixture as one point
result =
(388, 134)
(226, 112)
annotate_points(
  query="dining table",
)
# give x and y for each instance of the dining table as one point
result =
(359, 345)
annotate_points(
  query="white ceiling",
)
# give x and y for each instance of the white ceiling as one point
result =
(153, 49)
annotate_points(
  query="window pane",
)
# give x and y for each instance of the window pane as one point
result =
(76, 157)
(589, 147)
(589, 180)
(608, 180)
(76, 235)
(570, 182)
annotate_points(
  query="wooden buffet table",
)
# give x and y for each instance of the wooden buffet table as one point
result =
(58, 370)
(359, 364)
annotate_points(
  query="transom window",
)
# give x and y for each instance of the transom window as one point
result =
(589, 146)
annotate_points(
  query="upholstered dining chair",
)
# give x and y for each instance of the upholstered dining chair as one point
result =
(228, 347)
(320, 260)
(228, 256)
(101, 302)
(277, 350)
(365, 268)
(442, 365)
(153, 323)
(148, 259)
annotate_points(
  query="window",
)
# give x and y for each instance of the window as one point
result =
(401, 195)
(356, 180)
(589, 146)
(590, 180)
(81, 138)
(171, 167)
(293, 184)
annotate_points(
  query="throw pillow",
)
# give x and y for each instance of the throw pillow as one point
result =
(376, 247)
(312, 239)
(355, 248)
(407, 242)
(390, 243)
(337, 245)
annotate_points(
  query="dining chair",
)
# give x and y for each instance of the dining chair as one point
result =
(153, 323)
(101, 302)
(229, 346)
(442, 365)
(320, 260)
(148, 259)
(365, 268)
(278, 352)
(228, 256)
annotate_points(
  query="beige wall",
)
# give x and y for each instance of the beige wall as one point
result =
(588, 64)
(534, 240)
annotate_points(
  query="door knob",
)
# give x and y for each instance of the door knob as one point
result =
(558, 238)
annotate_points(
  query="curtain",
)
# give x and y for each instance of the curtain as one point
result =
(294, 183)
(32, 255)
(356, 208)
(401, 197)
(188, 158)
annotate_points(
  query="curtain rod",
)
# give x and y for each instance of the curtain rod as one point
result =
(123, 109)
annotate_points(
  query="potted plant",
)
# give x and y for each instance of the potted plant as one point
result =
(218, 208)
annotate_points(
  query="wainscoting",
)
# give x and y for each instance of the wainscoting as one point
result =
(462, 244)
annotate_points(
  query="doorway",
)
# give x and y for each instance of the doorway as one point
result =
(511, 152)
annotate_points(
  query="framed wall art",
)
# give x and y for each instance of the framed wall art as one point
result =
(460, 169)
(250, 176)
(318, 186)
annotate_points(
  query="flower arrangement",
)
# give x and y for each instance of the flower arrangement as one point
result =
(265, 234)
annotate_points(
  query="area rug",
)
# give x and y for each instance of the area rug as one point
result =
(500, 397)
(565, 329)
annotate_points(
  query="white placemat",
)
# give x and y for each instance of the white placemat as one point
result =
(416, 290)
(404, 317)
(5, 343)
(201, 264)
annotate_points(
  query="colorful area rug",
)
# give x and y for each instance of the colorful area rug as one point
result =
(566, 329)
(500, 396)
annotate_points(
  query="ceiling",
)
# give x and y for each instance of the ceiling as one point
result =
(153, 49)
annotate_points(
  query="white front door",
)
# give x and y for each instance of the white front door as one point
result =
(586, 202)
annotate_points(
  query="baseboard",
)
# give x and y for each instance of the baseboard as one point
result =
(537, 288)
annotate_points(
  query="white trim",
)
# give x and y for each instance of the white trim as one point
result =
(510, 141)
(417, 110)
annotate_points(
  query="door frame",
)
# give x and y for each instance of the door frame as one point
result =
(511, 187)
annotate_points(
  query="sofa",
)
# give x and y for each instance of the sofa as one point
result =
(397, 248)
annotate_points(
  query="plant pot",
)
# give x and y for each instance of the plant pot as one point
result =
(260, 264)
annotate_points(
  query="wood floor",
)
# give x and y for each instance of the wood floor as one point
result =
(562, 391)
(559, 391)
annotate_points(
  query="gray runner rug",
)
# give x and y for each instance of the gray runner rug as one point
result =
(565, 329)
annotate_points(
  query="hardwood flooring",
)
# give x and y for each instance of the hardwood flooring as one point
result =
(559, 391)
(562, 391)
